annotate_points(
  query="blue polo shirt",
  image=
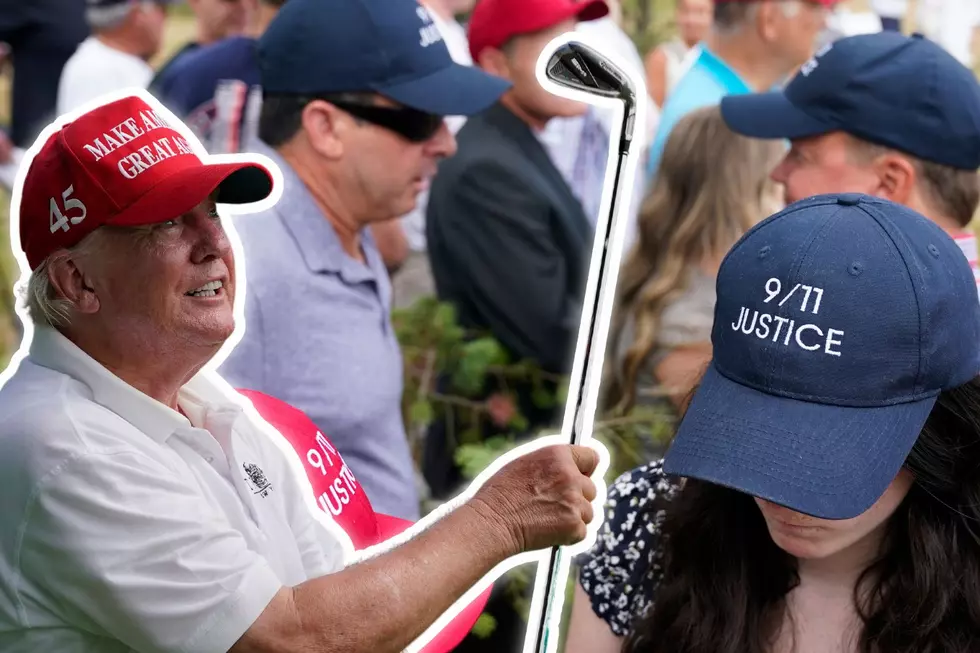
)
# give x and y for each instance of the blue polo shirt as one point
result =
(319, 336)
(707, 81)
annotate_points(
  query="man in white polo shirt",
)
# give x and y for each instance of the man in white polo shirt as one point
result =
(141, 508)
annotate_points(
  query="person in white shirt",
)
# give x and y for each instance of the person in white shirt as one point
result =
(142, 508)
(126, 34)
(951, 23)
(414, 278)
(891, 12)
(579, 146)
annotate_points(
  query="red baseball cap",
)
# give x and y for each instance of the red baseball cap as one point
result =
(122, 164)
(494, 22)
(339, 494)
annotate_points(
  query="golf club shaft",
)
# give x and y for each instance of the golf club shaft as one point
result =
(582, 382)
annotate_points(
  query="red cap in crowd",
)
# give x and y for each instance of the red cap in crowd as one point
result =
(494, 22)
(121, 164)
(339, 495)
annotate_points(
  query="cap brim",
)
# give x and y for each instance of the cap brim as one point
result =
(449, 637)
(455, 90)
(236, 183)
(769, 115)
(829, 462)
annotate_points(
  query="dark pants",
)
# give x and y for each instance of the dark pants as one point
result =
(39, 53)
(891, 24)
(446, 480)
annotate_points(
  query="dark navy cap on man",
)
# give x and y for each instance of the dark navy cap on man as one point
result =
(391, 47)
(838, 322)
(903, 92)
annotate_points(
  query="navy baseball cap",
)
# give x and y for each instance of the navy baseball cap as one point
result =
(838, 322)
(903, 92)
(391, 47)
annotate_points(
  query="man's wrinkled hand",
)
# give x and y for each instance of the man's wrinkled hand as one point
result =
(543, 498)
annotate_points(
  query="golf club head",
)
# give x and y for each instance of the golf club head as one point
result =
(577, 66)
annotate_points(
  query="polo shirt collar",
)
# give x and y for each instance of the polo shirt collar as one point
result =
(51, 349)
(720, 70)
(314, 235)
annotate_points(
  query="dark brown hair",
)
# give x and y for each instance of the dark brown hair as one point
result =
(726, 581)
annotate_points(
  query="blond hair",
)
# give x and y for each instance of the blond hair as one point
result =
(709, 189)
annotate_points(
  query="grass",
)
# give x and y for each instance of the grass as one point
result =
(180, 30)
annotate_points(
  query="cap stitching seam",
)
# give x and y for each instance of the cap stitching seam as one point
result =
(820, 399)
(385, 55)
(84, 168)
(880, 221)
(795, 273)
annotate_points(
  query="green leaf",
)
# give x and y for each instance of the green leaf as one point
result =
(518, 422)
(474, 458)
(477, 357)
(444, 317)
(561, 393)
(470, 436)
(421, 413)
(542, 398)
(484, 626)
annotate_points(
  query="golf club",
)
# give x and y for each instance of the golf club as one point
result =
(579, 67)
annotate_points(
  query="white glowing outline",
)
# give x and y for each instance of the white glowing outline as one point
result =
(209, 370)
(603, 314)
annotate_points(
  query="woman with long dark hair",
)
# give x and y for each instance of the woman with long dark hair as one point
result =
(822, 493)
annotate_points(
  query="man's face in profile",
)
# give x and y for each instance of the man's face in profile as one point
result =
(796, 28)
(824, 164)
(389, 170)
(521, 61)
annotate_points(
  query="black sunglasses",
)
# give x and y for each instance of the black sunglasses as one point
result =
(412, 124)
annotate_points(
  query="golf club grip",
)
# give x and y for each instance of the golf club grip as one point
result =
(542, 637)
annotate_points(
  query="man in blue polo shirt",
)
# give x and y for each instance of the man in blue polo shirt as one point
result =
(355, 95)
(752, 46)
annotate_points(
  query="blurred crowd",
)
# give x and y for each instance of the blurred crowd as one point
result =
(495, 211)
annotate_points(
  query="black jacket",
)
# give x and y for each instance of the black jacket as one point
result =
(509, 246)
(508, 242)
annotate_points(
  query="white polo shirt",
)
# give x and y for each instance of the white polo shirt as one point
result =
(124, 526)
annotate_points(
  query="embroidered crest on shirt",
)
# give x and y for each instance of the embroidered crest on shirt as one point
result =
(256, 480)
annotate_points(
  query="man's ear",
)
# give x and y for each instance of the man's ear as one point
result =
(71, 283)
(324, 126)
(897, 177)
(495, 62)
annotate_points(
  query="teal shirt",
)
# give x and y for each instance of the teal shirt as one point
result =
(707, 81)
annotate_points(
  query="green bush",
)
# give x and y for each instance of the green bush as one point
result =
(434, 345)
